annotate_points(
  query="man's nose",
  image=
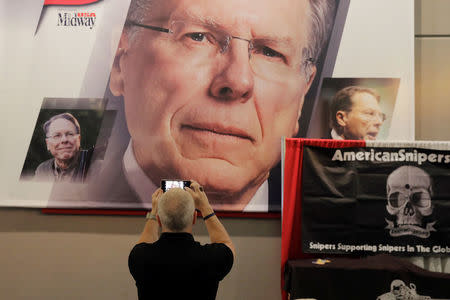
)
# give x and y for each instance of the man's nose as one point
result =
(378, 120)
(64, 138)
(234, 79)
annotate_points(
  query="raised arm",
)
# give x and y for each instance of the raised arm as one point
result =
(150, 232)
(217, 233)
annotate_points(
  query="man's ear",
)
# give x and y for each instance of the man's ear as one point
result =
(79, 140)
(309, 80)
(116, 78)
(312, 74)
(195, 217)
(341, 118)
(159, 221)
(297, 124)
(46, 143)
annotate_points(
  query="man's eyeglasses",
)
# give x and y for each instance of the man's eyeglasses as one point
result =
(374, 115)
(59, 136)
(268, 57)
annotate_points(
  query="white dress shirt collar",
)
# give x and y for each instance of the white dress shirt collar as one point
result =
(335, 135)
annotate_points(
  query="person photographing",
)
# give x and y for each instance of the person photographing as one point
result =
(173, 265)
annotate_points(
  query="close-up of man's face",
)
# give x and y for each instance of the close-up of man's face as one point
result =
(364, 120)
(62, 140)
(211, 99)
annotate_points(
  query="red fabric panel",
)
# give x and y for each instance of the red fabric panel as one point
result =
(291, 211)
(68, 2)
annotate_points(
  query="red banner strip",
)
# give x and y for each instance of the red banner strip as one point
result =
(111, 212)
(69, 2)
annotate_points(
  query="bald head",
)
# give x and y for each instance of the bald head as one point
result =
(176, 210)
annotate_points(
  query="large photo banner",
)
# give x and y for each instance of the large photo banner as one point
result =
(101, 100)
(380, 197)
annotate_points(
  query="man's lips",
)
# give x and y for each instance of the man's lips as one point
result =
(219, 129)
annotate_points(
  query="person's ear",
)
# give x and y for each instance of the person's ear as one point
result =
(46, 143)
(195, 217)
(341, 118)
(159, 221)
(116, 83)
(311, 74)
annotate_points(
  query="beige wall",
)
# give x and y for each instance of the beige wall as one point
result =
(85, 257)
(432, 69)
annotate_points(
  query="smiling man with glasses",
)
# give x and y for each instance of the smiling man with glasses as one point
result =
(62, 137)
(210, 88)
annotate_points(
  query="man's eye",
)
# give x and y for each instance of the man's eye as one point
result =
(269, 53)
(70, 134)
(57, 136)
(370, 113)
(196, 36)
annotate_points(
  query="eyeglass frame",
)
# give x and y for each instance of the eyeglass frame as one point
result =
(305, 62)
(69, 137)
(382, 116)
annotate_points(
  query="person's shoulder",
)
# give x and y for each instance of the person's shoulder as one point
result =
(46, 163)
(219, 258)
(143, 246)
(140, 250)
(45, 166)
(44, 171)
(219, 249)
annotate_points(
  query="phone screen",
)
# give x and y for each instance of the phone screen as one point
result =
(169, 184)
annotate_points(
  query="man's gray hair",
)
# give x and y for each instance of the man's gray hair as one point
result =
(69, 117)
(320, 20)
(176, 209)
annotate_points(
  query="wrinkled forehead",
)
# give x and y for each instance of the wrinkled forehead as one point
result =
(61, 125)
(287, 19)
(365, 100)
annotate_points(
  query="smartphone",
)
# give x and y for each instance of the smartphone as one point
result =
(168, 184)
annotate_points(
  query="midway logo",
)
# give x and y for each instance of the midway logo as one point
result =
(76, 19)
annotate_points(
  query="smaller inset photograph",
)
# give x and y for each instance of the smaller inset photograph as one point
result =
(355, 108)
(63, 140)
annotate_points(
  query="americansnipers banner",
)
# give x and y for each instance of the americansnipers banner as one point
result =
(372, 198)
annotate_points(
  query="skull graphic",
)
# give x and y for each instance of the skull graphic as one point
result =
(409, 195)
(403, 292)
(400, 291)
(398, 288)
